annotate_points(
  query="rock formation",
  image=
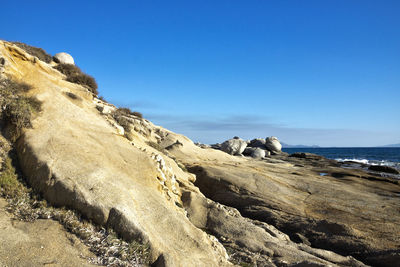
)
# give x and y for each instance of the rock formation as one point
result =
(257, 148)
(197, 206)
(234, 146)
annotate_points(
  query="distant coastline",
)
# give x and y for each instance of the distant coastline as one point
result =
(392, 145)
(284, 145)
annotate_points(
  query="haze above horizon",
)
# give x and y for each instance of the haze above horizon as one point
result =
(321, 73)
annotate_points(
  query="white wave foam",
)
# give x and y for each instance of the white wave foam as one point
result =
(371, 162)
(363, 161)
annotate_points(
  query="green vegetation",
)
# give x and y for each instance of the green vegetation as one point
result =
(35, 51)
(75, 75)
(10, 186)
(17, 108)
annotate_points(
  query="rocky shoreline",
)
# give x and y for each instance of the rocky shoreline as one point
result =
(337, 193)
(260, 148)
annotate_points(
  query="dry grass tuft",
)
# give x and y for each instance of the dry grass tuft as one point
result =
(128, 111)
(35, 51)
(75, 75)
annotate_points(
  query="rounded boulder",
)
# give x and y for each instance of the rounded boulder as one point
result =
(272, 143)
(64, 58)
(234, 146)
(258, 142)
(258, 153)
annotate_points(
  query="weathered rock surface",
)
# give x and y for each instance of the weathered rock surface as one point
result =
(254, 242)
(234, 146)
(63, 58)
(272, 143)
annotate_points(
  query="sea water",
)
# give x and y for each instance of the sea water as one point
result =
(389, 156)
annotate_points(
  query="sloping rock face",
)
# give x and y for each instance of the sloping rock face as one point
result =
(76, 158)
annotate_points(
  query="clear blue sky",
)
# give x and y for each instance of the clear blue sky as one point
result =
(309, 72)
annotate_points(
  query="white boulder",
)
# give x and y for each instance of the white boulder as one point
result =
(272, 143)
(258, 153)
(64, 58)
(234, 146)
(258, 142)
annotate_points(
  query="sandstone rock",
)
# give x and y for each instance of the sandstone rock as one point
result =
(258, 142)
(245, 237)
(234, 146)
(63, 58)
(272, 143)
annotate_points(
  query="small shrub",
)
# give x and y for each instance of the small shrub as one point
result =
(68, 69)
(128, 111)
(35, 51)
(75, 75)
(137, 114)
(86, 80)
(124, 111)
